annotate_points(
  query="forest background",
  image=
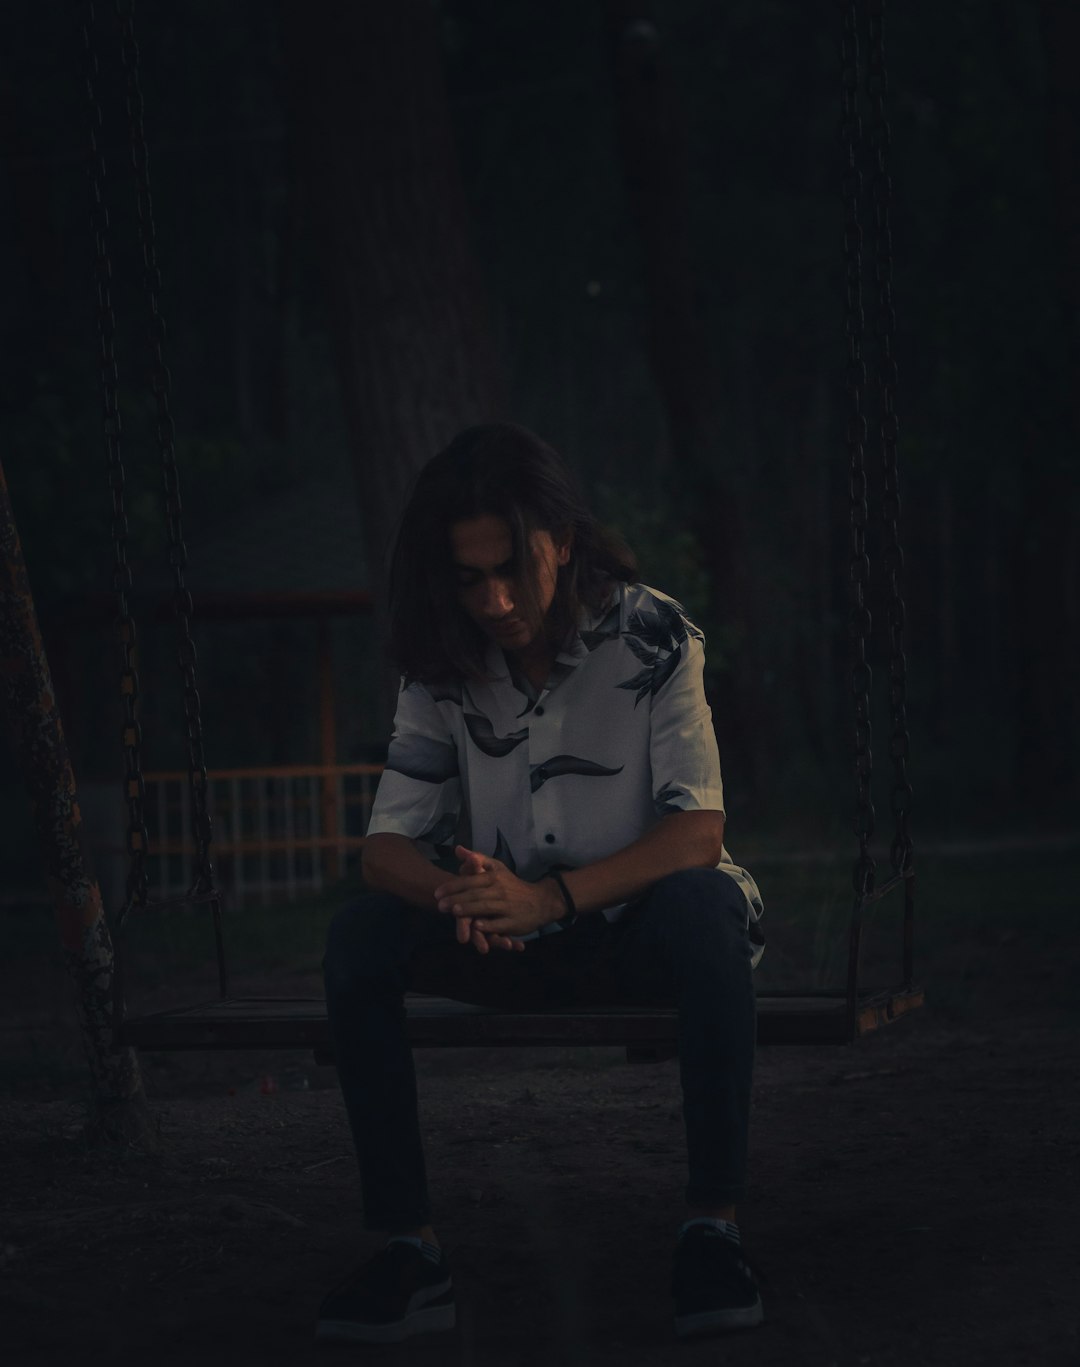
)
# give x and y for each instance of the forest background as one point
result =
(621, 226)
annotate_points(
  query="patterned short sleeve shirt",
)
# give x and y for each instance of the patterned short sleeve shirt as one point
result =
(619, 736)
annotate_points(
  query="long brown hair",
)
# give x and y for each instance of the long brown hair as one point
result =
(502, 470)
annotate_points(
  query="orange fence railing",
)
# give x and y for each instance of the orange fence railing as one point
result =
(279, 832)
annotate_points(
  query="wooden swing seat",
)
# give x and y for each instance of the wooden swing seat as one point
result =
(647, 1033)
(829, 1016)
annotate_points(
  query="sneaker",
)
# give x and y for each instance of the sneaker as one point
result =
(713, 1286)
(399, 1292)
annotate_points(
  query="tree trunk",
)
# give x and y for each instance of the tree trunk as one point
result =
(387, 210)
(31, 719)
(1049, 673)
(994, 594)
(945, 595)
(1061, 20)
(653, 146)
(1061, 40)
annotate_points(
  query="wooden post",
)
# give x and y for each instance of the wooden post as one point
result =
(328, 809)
(383, 201)
(30, 717)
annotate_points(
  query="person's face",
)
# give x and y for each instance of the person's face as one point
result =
(482, 550)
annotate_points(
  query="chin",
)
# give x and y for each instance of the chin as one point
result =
(516, 639)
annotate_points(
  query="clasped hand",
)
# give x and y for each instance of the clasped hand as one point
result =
(493, 905)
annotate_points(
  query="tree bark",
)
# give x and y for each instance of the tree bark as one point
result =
(653, 147)
(945, 596)
(32, 721)
(1060, 20)
(386, 207)
(1048, 698)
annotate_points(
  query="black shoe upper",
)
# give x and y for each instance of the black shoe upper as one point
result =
(380, 1291)
(710, 1273)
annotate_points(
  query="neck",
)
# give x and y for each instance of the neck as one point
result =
(535, 661)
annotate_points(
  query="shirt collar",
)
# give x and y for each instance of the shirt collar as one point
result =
(594, 627)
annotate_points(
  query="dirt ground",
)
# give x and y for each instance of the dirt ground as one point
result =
(913, 1200)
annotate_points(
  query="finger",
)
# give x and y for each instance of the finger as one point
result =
(453, 886)
(468, 860)
(492, 924)
(466, 855)
(472, 903)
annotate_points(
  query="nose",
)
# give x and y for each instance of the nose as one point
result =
(497, 601)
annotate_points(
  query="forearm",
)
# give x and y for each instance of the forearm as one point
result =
(392, 863)
(681, 840)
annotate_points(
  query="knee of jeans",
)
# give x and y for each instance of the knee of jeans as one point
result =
(696, 902)
(364, 940)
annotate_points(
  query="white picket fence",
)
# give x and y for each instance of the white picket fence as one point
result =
(278, 832)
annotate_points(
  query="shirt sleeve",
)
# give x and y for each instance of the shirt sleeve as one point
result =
(419, 793)
(682, 743)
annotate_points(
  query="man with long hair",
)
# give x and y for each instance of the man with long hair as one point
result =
(548, 831)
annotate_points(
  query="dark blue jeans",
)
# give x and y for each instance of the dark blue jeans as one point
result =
(684, 944)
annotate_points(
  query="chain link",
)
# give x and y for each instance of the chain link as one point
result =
(859, 566)
(134, 787)
(160, 378)
(893, 556)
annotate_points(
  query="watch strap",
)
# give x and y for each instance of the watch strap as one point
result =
(571, 910)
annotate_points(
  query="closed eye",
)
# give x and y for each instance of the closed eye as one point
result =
(468, 576)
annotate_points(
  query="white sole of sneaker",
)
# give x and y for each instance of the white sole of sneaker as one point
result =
(719, 1321)
(425, 1321)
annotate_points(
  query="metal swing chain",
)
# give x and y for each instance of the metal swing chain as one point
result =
(134, 787)
(859, 566)
(183, 607)
(880, 138)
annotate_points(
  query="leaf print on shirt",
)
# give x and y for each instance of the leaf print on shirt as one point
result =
(664, 671)
(655, 635)
(652, 678)
(503, 853)
(651, 629)
(644, 654)
(442, 834)
(420, 757)
(663, 626)
(484, 738)
(665, 800)
(608, 630)
(446, 692)
(559, 765)
(674, 619)
(641, 681)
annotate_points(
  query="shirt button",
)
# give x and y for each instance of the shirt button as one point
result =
(549, 838)
(538, 711)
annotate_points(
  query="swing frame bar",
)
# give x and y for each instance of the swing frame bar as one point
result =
(820, 1017)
